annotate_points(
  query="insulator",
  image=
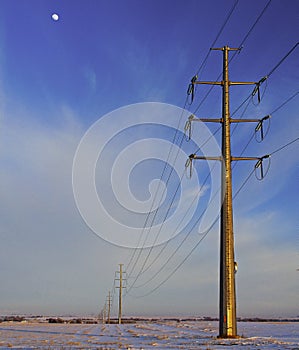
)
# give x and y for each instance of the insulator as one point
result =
(188, 128)
(258, 163)
(259, 125)
(188, 164)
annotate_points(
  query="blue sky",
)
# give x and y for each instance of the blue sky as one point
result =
(57, 78)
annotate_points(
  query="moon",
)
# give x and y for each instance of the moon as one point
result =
(55, 17)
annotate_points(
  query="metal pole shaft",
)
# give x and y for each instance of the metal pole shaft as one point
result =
(227, 314)
(109, 307)
(120, 292)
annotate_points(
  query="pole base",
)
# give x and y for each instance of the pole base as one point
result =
(228, 337)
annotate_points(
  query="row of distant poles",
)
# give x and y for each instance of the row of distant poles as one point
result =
(105, 314)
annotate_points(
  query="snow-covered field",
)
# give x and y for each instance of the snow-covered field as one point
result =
(160, 335)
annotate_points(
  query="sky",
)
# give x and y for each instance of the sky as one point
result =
(92, 102)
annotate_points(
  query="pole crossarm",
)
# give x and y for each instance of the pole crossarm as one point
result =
(226, 48)
(251, 158)
(194, 156)
(192, 118)
(245, 120)
(208, 120)
(222, 82)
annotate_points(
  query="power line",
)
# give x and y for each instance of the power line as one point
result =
(244, 183)
(284, 146)
(240, 46)
(203, 63)
(160, 229)
(185, 236)
(156, 192)
(159, 204)
(196, 245)
(218, 35)
(285, 102)
(164, 246)
(205, 234)
(142, 270)
(281, 61)
(252, 27)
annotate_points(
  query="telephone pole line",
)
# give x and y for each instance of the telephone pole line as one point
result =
(227, 295)
(109, 307)
(104, 314)
(120, 287)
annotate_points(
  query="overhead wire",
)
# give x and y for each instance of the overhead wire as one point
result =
(143, 269)
(160, 229)
(285, 102)
(233, 56)
(185, 236)
(250, 95)
(283, 59)
(210, 228)
(252, 27)
(246, 100)
(217, 36)
(159, 204)
(192, 250)
(191, 89)
(202, 65)
(271, 113)
(245, 38)
(284, 146)
(200, 68)
(157, 191)
(235, 195)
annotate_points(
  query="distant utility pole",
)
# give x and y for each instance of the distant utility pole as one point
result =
(121, 280)
(104, 314)
(109, 307)
(227, 302)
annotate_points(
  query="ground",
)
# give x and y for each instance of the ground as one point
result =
(143, 335)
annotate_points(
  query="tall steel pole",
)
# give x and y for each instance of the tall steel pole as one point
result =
(120, 292)
(109, 307)
(227, 309)
(227, 300)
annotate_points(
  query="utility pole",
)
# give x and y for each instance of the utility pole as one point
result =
(104, 314)
(227, 295)
(109, 307)
(121, 280)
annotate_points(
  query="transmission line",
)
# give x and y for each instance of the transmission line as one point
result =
(202, 65)
(165, 245)
(193, 249)
(284, 146)
(157, 191)
(218, 35)
(142, 270)
(281, 61)
(206, 233)
(235, 195)
(240, 46)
